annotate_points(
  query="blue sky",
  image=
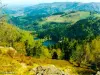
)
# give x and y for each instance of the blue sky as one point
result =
(28, 2)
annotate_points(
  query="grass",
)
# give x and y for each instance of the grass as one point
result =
(22, 65)
(72, 17)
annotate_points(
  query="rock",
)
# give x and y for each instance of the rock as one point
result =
(48, 70)
(8, 50)
(98, 73)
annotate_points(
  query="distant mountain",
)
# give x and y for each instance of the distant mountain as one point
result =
(51, 8)
(26, 16)
(9, 11)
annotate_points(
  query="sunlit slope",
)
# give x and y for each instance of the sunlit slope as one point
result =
(11, 62)
(11, 36)
(68, 17)
(28, 23)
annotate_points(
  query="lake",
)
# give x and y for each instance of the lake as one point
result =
(36, 38)
(47, 42)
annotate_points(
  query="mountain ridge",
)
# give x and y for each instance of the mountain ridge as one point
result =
(69, 6)
(51, 8)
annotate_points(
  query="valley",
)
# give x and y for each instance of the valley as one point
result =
(61, 38)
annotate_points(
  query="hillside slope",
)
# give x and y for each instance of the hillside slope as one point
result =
(11, 36)
(61, 19)
(83, 29)
(19, 64)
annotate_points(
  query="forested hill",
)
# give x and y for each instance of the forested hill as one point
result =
(83, 29)
(27, 15)
(11, 36)
(50, 8)
(59, 7)
(54, 20)
(42, 10)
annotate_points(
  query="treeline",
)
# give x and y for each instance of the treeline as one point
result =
(81, 52)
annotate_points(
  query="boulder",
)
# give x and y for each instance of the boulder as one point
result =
(48, 70)
(98, 73)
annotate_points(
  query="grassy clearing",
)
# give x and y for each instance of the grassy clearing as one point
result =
(72, 17)
(20, 64)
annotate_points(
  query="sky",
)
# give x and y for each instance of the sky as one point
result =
(28, 2)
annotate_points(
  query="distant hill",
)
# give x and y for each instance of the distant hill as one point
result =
(62, 18)
(87, 28)
(51, 8)
(25, 16)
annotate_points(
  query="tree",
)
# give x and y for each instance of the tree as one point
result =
(55, 56)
